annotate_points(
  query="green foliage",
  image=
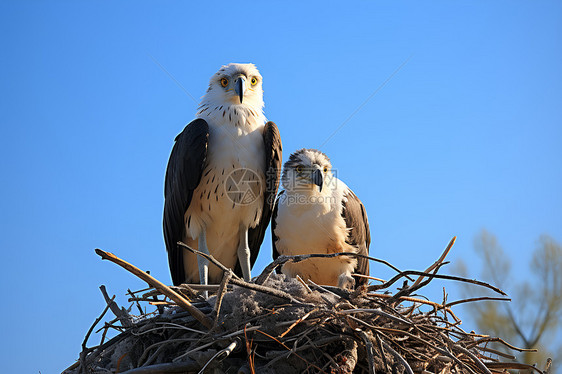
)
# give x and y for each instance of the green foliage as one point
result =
(534, 318)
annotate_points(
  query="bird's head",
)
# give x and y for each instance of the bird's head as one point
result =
(236, 84)
(307, 170)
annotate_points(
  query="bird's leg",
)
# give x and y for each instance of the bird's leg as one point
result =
(202, 262)
(244, 253)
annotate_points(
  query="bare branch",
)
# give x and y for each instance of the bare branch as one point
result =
(180, 300)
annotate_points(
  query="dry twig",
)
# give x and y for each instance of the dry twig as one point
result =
(180, 300)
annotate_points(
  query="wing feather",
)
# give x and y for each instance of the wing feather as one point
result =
(274, 237)
(183, 174)
(355, 216)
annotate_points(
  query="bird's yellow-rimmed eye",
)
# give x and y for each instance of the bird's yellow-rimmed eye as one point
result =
(325, 169)
(299, 169)
(254, 81)
(224, 82)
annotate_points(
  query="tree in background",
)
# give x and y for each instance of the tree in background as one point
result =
(534, 318)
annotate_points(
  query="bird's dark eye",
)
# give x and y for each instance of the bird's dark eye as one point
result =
(325, 169)
(224, 82)
(299, 169)
(254, 81)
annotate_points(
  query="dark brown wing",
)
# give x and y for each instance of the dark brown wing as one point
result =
(274, 237)
(273, 157)
(359, 235)
(183, 174)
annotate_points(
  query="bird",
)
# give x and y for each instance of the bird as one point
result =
(221, 179)
(318, 213)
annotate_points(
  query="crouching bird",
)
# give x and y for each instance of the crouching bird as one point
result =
(221, 180)
(317, 213)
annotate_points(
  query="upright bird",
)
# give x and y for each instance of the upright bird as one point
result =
(317, 213)
(222, 178)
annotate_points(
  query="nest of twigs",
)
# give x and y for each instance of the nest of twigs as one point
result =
(280, 325)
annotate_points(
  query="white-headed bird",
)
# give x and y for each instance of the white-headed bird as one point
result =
(221, 180)
(317, 213)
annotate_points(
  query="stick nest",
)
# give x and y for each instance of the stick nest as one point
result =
(277, 324)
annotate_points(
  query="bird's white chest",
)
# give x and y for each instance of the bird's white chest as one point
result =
(236, 147)
(230, 193)
(314, 227)
(309, 227)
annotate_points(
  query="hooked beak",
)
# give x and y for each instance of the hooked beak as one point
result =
(317, 178)
(240, 88)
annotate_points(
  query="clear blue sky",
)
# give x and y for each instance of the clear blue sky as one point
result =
(467, 135)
